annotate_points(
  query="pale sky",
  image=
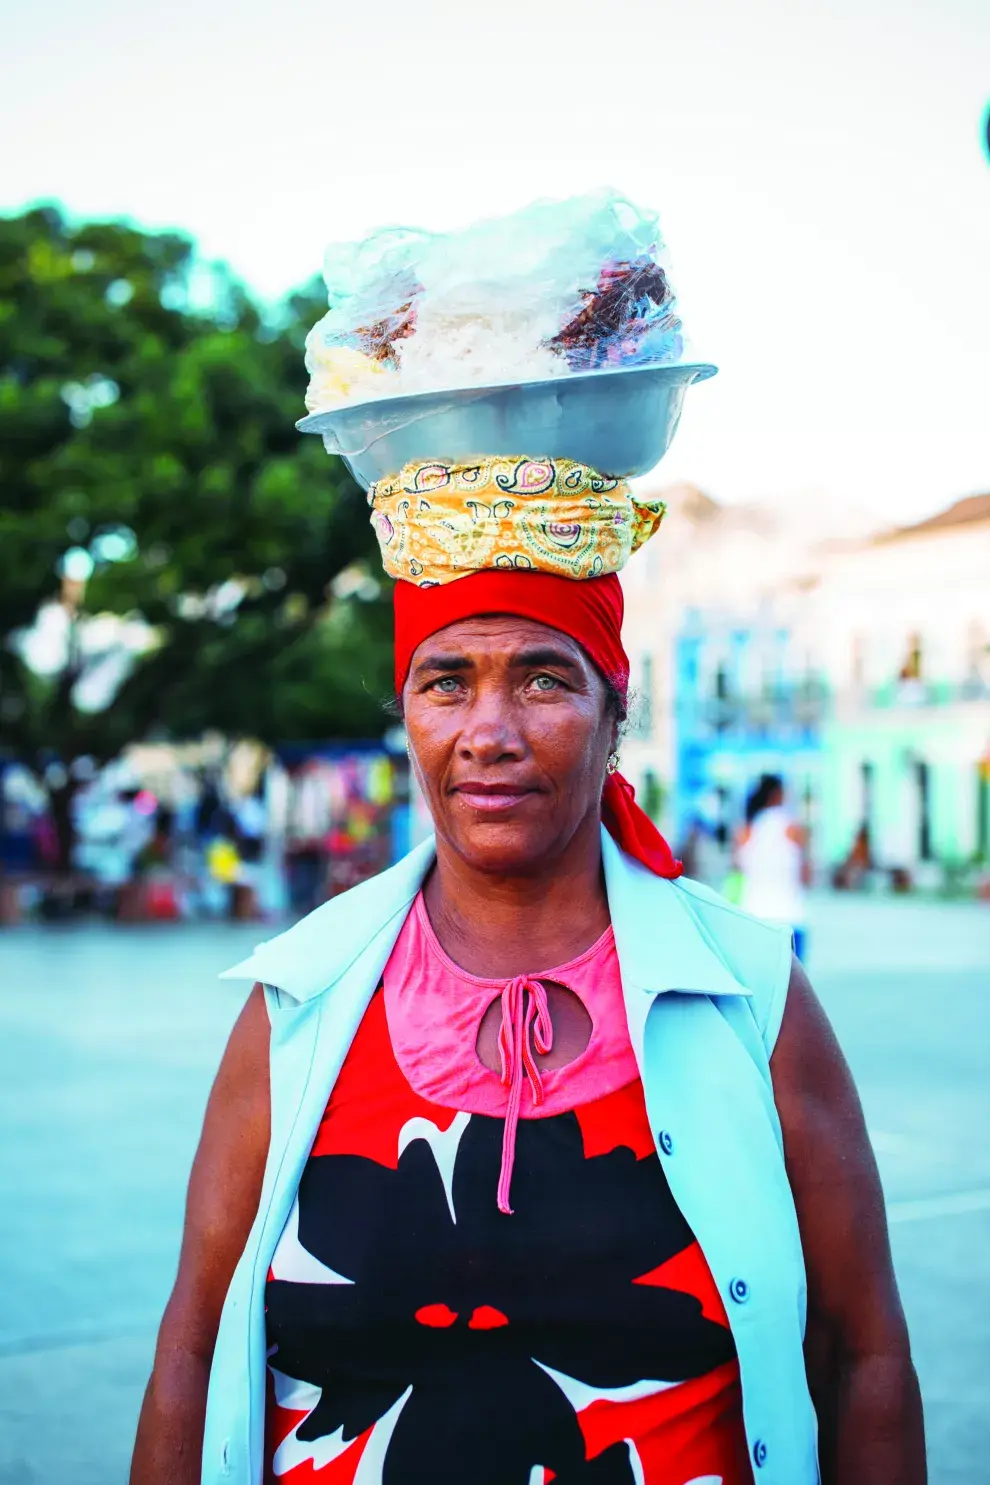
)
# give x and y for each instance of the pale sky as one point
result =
(818, 171)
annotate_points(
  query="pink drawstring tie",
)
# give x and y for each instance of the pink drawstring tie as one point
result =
(525, 1015)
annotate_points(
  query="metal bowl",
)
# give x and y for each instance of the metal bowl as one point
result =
(620, 422)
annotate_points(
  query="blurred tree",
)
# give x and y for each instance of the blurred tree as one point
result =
(146, 418)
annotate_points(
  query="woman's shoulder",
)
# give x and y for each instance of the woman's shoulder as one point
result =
(306, 957)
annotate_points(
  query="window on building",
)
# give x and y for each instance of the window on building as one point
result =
(983, 810)
(722, 829)
(858, 661)
(977, 655)
(720, 709)
(913, 666)
(867, 784)
(923, 781)
(808, 804)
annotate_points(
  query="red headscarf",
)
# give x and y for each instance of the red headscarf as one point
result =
(591, 613)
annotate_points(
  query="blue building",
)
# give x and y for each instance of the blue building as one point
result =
(746, 701)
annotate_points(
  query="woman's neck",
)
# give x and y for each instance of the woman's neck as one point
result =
(502, 926)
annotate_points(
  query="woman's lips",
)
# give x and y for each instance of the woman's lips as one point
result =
(492, 798)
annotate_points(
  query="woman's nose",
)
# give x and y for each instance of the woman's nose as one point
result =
(489, 732)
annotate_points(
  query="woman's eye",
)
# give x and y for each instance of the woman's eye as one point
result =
(446, 685)
(546, 682)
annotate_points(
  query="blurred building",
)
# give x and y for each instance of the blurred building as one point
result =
(744, 706)
(857, 667)
(720, 626)
(905, 640)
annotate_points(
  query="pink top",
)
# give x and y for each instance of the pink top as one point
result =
(434, 1009)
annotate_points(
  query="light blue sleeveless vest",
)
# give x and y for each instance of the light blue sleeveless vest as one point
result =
(704, 987)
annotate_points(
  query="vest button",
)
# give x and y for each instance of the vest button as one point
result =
(759, 1454)
(665, 1142)
(739, 1291)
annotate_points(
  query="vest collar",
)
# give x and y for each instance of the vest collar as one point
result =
(661, 943)
(316, 951)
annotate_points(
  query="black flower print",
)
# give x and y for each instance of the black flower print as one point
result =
(492, 1328)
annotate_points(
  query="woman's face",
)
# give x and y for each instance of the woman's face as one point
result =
(509, 734)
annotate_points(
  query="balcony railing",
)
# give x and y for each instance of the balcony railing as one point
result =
(807, 705)
(801, 709)
(919, 693)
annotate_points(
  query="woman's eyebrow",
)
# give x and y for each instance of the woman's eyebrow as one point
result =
(451, 663)
(446, 663)
(545, 655)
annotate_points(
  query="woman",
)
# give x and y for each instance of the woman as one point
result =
(529, 1159)
(772, 852)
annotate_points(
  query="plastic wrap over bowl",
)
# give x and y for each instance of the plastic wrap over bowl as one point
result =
(620, 422)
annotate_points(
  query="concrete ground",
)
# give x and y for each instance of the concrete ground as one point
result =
(108, 1041)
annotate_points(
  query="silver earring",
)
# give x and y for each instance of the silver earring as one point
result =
(613, 763)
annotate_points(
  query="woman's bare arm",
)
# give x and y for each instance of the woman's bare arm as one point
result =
(859, 1358)
(224, 1190)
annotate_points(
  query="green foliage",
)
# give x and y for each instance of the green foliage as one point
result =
(140, 390)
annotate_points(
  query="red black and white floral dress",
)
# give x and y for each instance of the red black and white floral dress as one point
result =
(420, 1334)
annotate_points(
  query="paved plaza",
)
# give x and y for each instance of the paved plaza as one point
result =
(108, 1041)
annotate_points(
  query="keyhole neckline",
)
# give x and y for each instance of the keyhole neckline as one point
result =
(555, 975)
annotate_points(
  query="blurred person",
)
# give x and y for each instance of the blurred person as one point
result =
(157, 870)
(306, 872)
(702, 855)
(529, 1158)
(114, 827)
(141, 845)
(306, 841)
(854, 870)
(705, 854)
(187, 854)
(772, 857)
(250, 819)
(21, 801)
(223, 870)
(221, 861)
(44, 839)
(208, 807)
(157, 851)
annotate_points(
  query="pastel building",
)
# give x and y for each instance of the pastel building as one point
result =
(719, 628)
(905, 642)
(745, 704)
(857, 669)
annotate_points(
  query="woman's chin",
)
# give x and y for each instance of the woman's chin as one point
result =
(503, 846)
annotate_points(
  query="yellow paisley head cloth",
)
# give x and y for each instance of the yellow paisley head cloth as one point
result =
(437, 522)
